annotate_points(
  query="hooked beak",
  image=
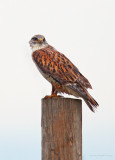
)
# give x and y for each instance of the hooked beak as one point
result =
(40, 41)
(31, 42)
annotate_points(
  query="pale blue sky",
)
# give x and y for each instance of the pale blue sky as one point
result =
(85, 32)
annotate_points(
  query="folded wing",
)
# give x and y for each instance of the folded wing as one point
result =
(59, 67)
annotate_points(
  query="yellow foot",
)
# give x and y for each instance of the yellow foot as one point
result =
(53, 95)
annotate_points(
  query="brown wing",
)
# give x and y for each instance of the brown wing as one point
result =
(55, 64)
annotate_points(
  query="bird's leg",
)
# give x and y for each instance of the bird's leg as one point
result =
(54, 93)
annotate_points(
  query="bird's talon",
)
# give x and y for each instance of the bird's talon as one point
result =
(51, 96)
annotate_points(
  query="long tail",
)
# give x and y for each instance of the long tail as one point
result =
(79, 91)
(91, 102)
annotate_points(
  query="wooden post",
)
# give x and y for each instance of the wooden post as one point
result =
(61, 129)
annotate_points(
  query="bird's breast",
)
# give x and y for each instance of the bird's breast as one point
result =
(45, 75)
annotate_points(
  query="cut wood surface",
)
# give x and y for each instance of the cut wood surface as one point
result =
(61, 129)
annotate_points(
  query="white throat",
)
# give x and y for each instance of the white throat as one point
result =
(38, 47)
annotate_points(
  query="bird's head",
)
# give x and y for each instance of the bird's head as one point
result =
(38, 42)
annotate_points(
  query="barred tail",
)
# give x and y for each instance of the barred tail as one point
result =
(79, 91)
(91, 102)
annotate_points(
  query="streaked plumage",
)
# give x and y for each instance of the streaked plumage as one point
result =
(60, 71)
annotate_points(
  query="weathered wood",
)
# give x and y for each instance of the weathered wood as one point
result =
(61, 129)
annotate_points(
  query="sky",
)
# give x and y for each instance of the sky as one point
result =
(85, 32)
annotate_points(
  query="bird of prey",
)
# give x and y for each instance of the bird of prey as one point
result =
(63, 75)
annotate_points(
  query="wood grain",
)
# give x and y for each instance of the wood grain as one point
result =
(61, 129)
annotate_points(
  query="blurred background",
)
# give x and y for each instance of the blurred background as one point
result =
(85, 32)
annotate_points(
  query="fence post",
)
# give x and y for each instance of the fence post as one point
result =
(61, 129)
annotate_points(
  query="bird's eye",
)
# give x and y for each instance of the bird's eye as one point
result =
(34, 39)
(43, 39)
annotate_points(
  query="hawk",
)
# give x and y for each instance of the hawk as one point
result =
(63, 75)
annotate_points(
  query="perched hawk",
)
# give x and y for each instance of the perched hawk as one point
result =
(60, 71)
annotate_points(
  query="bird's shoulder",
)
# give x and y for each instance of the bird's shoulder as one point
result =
(51, 55)
(58, 65)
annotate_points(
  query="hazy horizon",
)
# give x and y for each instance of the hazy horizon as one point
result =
(85, 32)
